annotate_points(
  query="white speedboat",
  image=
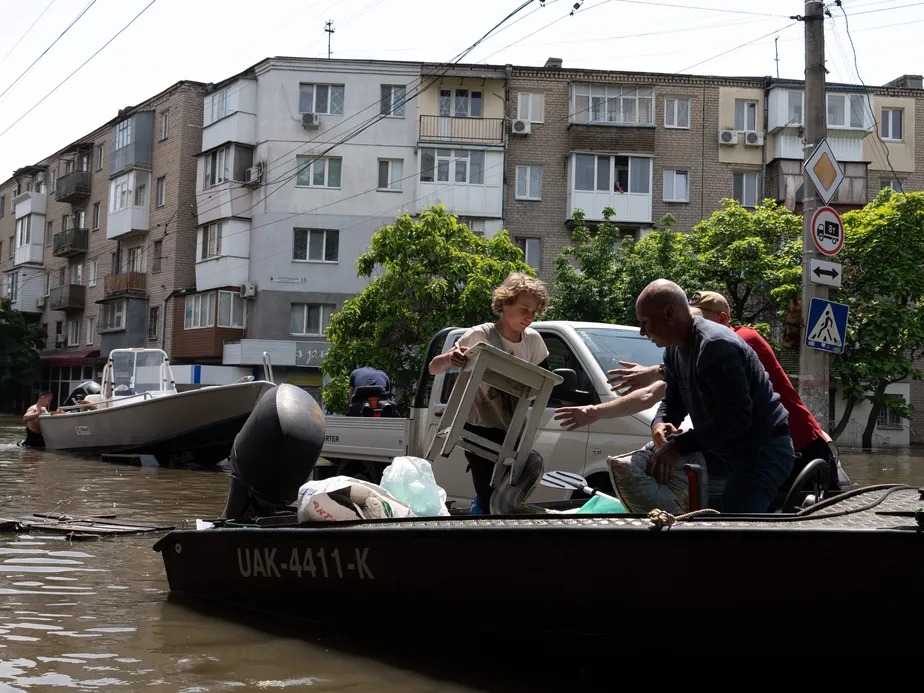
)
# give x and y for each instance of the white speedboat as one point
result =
(138, 410)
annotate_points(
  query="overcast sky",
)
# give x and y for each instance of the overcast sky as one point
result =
(209, 40)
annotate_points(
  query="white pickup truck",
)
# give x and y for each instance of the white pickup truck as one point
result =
(363, 446)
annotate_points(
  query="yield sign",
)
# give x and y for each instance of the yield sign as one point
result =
(824, 171)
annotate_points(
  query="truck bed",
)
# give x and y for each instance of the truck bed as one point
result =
(365, 438)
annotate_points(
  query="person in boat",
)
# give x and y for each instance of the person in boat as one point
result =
(34, 437)
(711, 374)
(517, 301)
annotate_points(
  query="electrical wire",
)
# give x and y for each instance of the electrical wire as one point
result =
(26, 32)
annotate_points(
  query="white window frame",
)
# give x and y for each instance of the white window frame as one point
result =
(321, 245)
(852, 106)
(157, 257)
(531, 106)
(128, 190)
(795, 114)
(91, 329)
(235, 310)
(888, 124)
(673, 113)
(745, 178)
(24, 231)
(454, 166)
(99, 157)
(73, 332)
(324, 313)
(153, 322)
(217, 167)
(210, 241)
(199, 311)
(161, 191)
(460, 103)
(164, 125)
(670, 185)
(122, 137)
(893, 183)
(135, 259)
(75, 273)
(96, 216)
(329, 101)
(606, 176)
(394, 97)
(310, 169)
(526, 176)
(112, 316)
(12, 286)
(745, 115)
(612, 104)
(92, 273)
(393, 170)
(218, 104)
(532, 250)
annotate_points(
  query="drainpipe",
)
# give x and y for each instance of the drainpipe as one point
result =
(763, 147)
(508, 74)
(163, 318)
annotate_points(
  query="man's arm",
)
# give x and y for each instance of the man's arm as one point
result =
(632, 403)
(32, 413)
(632, 377)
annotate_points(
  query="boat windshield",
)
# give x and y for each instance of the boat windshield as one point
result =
(136, 372)
(609, 346)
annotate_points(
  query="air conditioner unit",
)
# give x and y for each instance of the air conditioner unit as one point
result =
(248, 290)
(253, 175)
(520, 126)
(728, 137)
(40, 301)
(60, 340)
(754, 139)
(310, 120)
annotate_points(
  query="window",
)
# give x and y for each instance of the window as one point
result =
(677, 113)
(462, 103)
(309, 318)
(391, 173)
(112, 317)
(96, 216)
(600, 103)
(846, 110)
(83, 164)
(895, 184)
(47, 284)
(795, 108)
(217, 105)
(52, 181)
(99, 158)
(161, 191)
(320, 98)
(393, 97)
(123, 135)
(529, 183)
(217, 166)
(200, 311)
(91, 329)
(316, 245)
(12, 252)
(141, 195)
(531, 107)
(12, 286)
(62, 274)
(888, 419)
(230, 309)
(164, 125)
(153, 321)
(210, 238)
(116, 259)
(532, 251)
(676, 186)
(76, 273)
(892, 124)
(91, 273)
(157, 250)
(49, 233)
(452, 165)
(24, 231)
(136, 259)
(745, 189)
(620, 174)
(745, 116)
(80, 219)
(127, 190)
(73, 332)
(2, 205)
(318, 173)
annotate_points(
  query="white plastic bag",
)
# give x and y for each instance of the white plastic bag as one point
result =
(346, 498)
(411, 480)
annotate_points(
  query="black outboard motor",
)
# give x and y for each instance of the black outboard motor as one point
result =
(274, 453)
(372, 400)
(79, 393)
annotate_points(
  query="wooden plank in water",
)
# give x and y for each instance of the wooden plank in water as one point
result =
(52, 522)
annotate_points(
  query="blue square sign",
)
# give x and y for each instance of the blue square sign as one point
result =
(826, 328)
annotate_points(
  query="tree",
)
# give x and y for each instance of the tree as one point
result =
(19, 344)
(431, 272)
(883, 286)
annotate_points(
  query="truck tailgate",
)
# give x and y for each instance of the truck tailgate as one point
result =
(365, 438)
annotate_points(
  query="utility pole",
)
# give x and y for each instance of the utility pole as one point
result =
(776, 55)
(813, 363)
(329, 28)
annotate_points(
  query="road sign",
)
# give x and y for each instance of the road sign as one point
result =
(824, 171)
(824, 272)
(827, 231)
(827, 326)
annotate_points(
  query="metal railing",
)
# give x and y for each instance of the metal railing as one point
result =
(460, 130)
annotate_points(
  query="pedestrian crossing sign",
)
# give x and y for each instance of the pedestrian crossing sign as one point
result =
(827, 326)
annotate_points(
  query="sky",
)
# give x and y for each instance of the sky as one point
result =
(62, 76)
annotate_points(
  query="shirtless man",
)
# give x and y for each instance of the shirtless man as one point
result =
(30, 418)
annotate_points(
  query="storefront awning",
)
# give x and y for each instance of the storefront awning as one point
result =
(68, 358)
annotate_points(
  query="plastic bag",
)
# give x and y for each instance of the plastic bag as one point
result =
(602, 505)
(411, 480)
(641, 493)
(345, 498)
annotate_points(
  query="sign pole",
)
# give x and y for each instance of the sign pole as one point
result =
(813, 364)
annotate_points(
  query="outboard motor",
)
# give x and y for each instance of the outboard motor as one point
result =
(274, 453)
(79, 393)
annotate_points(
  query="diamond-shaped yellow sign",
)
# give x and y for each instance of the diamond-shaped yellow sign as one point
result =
(824, 171)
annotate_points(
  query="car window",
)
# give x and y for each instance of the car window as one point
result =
(561, 356)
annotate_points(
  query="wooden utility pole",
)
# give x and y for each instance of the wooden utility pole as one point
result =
(813, 363)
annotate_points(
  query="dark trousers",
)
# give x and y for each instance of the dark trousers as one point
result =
(483, 469)
(33, 439)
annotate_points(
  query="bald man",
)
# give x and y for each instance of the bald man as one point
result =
(711, 374)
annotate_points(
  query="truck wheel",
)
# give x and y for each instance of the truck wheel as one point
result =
(600, 481)
(365, 471)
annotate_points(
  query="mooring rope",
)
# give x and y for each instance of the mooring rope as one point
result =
(661, 518)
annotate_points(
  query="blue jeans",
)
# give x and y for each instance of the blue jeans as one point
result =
(754, 482)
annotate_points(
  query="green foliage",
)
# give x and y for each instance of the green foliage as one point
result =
(19, 344)
(429, 273)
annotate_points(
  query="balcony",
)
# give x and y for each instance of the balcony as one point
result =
(73, 187)
(461, 130)
(30, 202)
(125, 283)
(68, 297)
(70, 242)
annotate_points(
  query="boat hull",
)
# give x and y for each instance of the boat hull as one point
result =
(589, 575)
(196, 425)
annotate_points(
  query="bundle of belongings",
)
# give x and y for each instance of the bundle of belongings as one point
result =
(641, 493)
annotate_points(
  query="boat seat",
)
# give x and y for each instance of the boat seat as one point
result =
(529, 385)
(372, 400)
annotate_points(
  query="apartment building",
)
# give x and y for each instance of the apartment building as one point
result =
(101, 236)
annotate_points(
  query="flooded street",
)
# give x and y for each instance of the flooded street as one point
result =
(95, 615)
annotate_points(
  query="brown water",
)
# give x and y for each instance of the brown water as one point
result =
(95, 615)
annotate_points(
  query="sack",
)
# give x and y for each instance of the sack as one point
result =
(641, 493)
(345, 498)
(411, 481)
(508, 497)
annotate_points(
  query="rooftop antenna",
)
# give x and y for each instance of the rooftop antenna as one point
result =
(775, 50)
(329, 28)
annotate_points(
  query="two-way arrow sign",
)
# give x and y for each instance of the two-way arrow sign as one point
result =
(824, 272)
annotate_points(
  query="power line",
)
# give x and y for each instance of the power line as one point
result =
(26, 32)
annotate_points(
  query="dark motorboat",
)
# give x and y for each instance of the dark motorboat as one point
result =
(858, 554)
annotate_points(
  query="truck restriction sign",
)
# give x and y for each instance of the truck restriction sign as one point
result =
(827, 231)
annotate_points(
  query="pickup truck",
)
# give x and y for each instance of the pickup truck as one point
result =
(362, 447)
